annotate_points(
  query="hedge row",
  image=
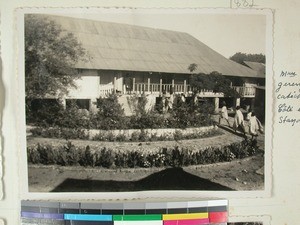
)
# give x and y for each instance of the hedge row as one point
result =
(70, 155)
(110, 115)
(59, 132)
(138, 136)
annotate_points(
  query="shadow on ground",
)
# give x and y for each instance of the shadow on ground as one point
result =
(168, 179)
(230, 130)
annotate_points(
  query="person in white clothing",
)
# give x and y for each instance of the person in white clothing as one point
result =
(239, 121)
(224, 114)
(254, 124)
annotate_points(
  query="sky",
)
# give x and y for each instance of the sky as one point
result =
(226, 33)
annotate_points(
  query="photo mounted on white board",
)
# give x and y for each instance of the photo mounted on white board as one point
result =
(127, 100)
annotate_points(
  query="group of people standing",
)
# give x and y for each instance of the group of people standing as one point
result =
(239, 122)
(168, 100)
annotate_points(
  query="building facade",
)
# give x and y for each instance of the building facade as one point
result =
(127, 59)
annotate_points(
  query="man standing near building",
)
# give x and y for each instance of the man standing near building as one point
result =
(239, 121)
(224, 113)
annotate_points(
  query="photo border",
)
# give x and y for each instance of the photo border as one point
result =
(21, 125)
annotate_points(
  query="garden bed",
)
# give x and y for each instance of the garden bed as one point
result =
(100, 155)
(126, 135)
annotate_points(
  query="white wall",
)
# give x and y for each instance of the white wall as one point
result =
(87, 87)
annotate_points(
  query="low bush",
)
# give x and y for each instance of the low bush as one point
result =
(143, 136)
(70, 155)
(58, 132)
(73, 117)
(151, 120)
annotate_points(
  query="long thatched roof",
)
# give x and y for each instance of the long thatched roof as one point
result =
(115, 46)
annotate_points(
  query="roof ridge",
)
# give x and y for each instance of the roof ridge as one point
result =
(109, 22)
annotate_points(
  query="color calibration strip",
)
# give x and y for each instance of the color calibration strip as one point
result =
(166, 213)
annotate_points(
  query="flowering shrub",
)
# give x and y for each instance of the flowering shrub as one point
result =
(143, 136)
(69, 155)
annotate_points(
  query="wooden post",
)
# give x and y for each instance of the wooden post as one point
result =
(237, 102)
(148, 85)
(173, 86)
(252, 103)
(184, 86)
(63, 102)
(93, 105)
(160, 86)
(115, 84)
(133, 85)
(216, 102)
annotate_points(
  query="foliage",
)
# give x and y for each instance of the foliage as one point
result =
(73, 117)
(105, 158)
(44, 112)
(72, 123)
(51, 114)
(66, 155)
(192, 67)
(191, 114)
(59, 132)
(143, 136)
(151, 120)
(240, 57)
(69, 155)
(213, 81)
(138, 104)
(143, 119)
(50, 56)
(110, 114)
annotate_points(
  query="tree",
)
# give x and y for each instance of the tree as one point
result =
(214, 81)
(192, 67)
(110, 113)
(241, 57)
(50, 56)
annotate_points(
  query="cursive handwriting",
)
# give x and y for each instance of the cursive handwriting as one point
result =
(288, 74)
(287, 84)
(288, 120)
(287, 93)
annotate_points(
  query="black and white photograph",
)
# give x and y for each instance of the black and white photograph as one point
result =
(130, 100)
